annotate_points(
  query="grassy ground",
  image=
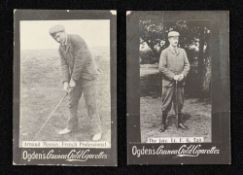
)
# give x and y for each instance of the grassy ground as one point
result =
(41, 89)
(197, 114)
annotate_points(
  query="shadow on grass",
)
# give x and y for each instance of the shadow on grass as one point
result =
(171, 119)
(150, 85)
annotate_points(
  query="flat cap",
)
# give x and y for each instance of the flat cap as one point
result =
(56, 29)
(173, 34)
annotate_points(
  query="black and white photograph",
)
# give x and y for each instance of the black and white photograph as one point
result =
(178, 64)
(65, 84)
(175, 80)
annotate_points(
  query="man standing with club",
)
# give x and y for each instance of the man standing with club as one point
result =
(79, 78)
(174, 66)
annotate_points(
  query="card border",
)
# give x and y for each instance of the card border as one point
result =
(220, 104)
(65, 15)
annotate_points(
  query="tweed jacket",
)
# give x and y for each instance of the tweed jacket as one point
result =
(171, 64)
(76, 60)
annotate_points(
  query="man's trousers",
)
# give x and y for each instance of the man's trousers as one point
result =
(87, 88)
(169, 97)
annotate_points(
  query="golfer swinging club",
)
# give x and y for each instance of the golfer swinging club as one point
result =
(174, 66)
(79, 78)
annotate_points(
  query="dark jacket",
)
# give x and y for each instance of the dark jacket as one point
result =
(171, 64)
(76, 60)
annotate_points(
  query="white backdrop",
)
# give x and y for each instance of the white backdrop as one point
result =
(35, 34)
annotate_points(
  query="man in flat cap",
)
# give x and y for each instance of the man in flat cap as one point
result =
(174, 66)
(79, 78)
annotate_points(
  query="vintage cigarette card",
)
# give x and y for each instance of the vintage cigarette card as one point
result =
(64, 109)
(178, 87)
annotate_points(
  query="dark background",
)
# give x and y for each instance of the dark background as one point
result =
(6, 78)
(220, 85)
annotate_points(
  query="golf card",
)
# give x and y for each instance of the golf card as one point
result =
(64, 109)
(178, 87)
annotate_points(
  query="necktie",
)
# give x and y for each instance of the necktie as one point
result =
(176, 51)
